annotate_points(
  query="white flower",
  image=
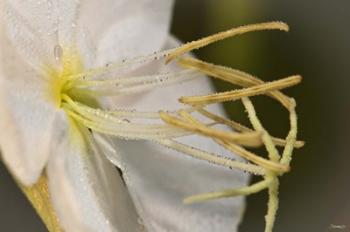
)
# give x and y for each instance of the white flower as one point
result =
(59, 60)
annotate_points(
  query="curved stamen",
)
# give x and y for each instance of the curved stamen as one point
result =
(247, 92)
(291, 138)
(124, 63)
(132, 85)
(248, 138)
(211, 158)
(107, 123)
(232, 76)
(226, 34)
(234, 148)
(241, 128)
(254, 188)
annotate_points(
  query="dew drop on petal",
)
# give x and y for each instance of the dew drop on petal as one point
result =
(57, 51)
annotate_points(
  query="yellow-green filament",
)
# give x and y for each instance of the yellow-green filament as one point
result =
(291, 138)
(247, 92)
(254, 188)
(241, 128)
(212, 158)
(226, 34)
(267, 164)
(232, 76)
(239, 150)
(270, 146)
(272, 205)
(247, 139)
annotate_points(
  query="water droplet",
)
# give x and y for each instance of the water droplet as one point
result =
(58, 52)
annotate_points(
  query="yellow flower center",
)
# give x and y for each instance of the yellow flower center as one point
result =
(77, 90)
(63, 78)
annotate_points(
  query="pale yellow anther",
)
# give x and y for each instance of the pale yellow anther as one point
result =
(226, 34)
(237, 94)
(234, 148)
(232, 76)
(247, 139)
(241, 128)
(254, 188)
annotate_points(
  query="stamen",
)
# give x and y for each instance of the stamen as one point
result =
(272, 205)
(239, 150)
(241, 128)
(291, 138)
(237, 94)
(286, 158)
(247, 139)
(221, 72)
(136, 80)
(130, 132)
(254, 188)
(232, 76)
(270, 146)
(132, 85)
(226, 34)
(124, 63)
(267, 164)
(212, 158)
(103, 122)
(122, 113)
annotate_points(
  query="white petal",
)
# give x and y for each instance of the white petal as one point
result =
(27, 116)
(35, 27)
(87, 191)
(159, 179)
(125, 29)
(32, 29)
(68, 13)
(26, 124)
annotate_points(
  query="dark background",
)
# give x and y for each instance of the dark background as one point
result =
(314, 195)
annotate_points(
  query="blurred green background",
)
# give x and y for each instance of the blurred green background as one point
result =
(314, 195)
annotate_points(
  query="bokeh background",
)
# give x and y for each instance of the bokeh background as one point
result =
(315, 194)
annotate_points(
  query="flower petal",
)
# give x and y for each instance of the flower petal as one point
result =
(125, 28)
(37, 27)
(26, 124)
(87, 191)
(32, 29)
(159, 179)
(27, 115)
